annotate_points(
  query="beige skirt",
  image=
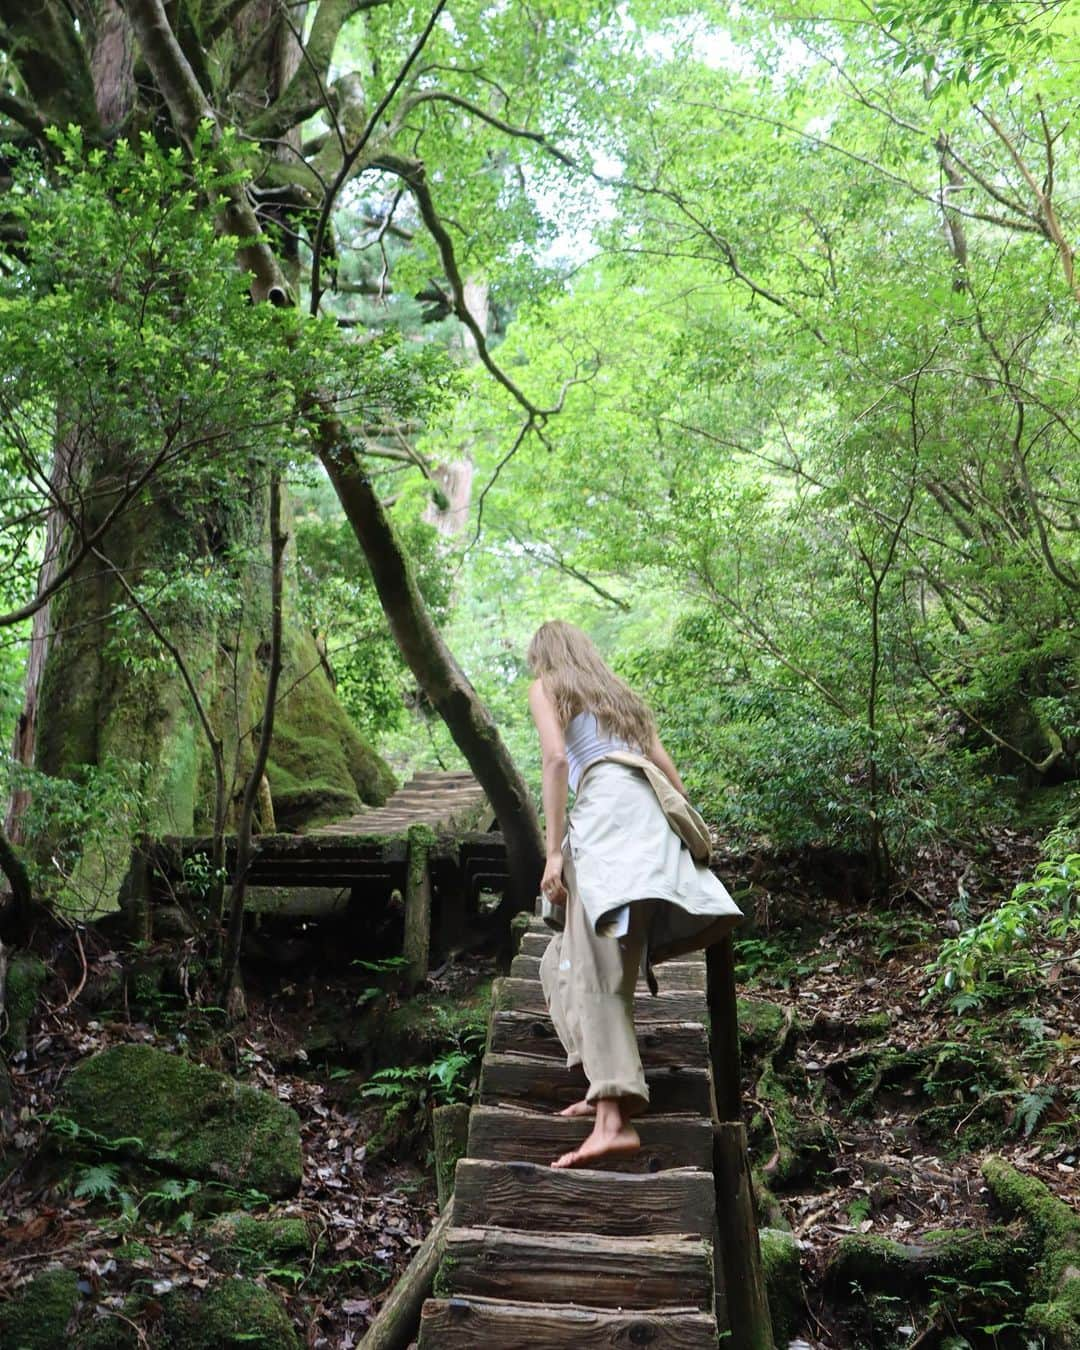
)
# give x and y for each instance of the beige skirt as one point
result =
(624, 850)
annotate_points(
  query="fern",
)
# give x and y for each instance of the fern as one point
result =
(97, 1181)
(1033, 1106)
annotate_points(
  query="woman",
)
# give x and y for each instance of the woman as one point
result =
(629, 889)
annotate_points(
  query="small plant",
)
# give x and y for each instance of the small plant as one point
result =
(998, 951)
(200, 876)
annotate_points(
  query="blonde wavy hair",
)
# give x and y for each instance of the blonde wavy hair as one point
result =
(578, 679)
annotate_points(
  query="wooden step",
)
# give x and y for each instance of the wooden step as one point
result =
(601, 1272)
(679, 1005)
(529, 1196)
(505, 1134)
(489, 1324)
(663, 1045)
(530, 1080)
(670, 976)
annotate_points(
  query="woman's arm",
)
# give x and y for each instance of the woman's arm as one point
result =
(663, 760)
(555, 787)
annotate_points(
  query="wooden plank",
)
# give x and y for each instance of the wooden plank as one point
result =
(541, 1082)
(528, 1196)
(601, 1272)
(671, 975)
(504, 1134)
(535, 944)
(471, 1323)
(664, 1045)
(510, 995)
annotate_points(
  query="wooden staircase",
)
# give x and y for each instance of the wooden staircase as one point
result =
(620, 1256)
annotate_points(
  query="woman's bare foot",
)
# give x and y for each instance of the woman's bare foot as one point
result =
(620, 1143)
(582, 1108)
(612, 1136)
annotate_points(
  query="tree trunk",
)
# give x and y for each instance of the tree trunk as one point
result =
(439, 675)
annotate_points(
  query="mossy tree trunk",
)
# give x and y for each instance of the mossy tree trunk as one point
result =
(84, 704)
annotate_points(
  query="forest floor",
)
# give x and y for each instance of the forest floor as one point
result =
(881, 1146)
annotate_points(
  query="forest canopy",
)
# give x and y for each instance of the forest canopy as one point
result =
(743, 335)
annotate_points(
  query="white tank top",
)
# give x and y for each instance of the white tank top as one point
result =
(586, 742)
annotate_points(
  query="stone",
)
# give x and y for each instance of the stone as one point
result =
(182, 1118)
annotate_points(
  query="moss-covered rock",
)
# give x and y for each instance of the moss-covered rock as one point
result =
(25, 976)
(186, 1119)
(783, 1282)
(234, 1312)
(37, 1317)
(254, 1241)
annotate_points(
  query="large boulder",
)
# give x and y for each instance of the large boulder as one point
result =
(179, 1117)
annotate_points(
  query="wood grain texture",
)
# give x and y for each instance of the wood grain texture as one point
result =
(534, 1198)
(511, 995)
(534, 1081)
(487, 1324)
(665, 1045)
(601, 1272)
(670, 975)
(506, 1135)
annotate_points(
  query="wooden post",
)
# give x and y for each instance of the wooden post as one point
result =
(416, 947)
(741, 1302)
(450, 1136)
(745, 1302)
(724, 1028)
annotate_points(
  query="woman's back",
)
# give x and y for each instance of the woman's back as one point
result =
(587, 741)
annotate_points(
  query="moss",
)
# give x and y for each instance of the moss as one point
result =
(1056, 1230)
(450, 1136)
(26, 974)
(316, 749)
(783, 1282)
(876, 1263)
(790, 1149)
(309, 807)
(230, 1314)
(108, 1333)
(761, 1025)
(38, 1316)
(254, 1241)
(187, 1119)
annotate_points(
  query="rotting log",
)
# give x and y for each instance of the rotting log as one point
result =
(396, 1322)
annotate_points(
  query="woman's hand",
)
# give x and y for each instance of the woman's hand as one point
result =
(552, 882)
